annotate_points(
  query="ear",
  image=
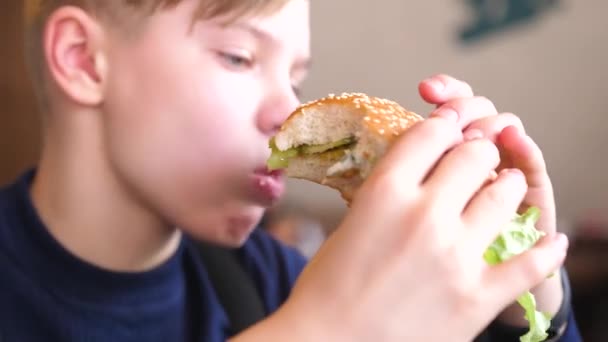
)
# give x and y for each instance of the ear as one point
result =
(73, 46)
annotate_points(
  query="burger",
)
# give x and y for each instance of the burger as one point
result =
(336, 140)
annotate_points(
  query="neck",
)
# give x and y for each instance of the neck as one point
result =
(86, 207)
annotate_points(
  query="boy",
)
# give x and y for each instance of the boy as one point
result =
(157, 116)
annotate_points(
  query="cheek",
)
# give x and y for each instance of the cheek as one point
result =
(180, 136)
(169, 138)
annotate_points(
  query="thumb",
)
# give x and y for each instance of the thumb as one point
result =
(508, 280)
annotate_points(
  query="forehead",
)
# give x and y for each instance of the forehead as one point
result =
(288, 24)
(286, 28)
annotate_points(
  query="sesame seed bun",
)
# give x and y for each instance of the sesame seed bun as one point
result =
(373, 123)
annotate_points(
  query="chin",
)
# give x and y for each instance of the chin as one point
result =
(240, 226)
(235, 239)
(230, 229)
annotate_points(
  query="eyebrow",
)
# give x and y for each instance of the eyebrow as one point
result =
(254, 30)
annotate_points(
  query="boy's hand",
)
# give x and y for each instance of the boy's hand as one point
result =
(406, 263)
(478, 117)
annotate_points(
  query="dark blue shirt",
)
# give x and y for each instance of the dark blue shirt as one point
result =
(47, 294)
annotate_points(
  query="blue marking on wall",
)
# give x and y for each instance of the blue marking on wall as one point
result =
(493, 16)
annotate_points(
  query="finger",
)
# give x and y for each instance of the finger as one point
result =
(492, 208)
(415, 153)
(507, 281)
(465, 111)
(461, 173)
(492, 126)
(524, 154)
(442, 88)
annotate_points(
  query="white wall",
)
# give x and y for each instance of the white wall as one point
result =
(552, 72)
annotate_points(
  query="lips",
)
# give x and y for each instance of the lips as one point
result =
(268, 186)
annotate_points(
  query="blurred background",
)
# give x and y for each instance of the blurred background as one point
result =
(545, 60)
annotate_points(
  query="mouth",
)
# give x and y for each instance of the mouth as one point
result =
(268, 186)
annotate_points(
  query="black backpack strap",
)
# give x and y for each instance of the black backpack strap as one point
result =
(235, 287)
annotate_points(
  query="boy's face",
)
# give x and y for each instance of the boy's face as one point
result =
(190, 108)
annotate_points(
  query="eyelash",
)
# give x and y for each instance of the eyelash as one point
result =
(236, 61)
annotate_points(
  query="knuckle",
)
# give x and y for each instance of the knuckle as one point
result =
(460, 286)
(507, 192)
(535, 270)
(466, 87)
(482, 150)
(517, 186)
(386, 184)
(487, 104)
(513, 119)
(463, 87)
(433, 228)
(444, 77)
(458, 86)
(473, 106)
(489, 151)
(466, 299)
(442, 130)
(431, 216)
(496, 195)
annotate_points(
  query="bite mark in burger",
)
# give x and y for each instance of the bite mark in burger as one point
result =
(336, 140)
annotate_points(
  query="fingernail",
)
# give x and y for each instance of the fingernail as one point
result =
(447, 113)
(473, 134)
(436, 84)
(513, 172)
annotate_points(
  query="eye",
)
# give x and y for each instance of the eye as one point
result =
(239, 61)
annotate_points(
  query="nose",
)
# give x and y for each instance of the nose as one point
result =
(275, 110)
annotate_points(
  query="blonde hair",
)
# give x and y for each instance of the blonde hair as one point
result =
(120, 12)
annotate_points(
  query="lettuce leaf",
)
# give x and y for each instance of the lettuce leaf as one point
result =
(517, 237)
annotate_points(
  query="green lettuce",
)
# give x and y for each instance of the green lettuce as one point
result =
(517, 237)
